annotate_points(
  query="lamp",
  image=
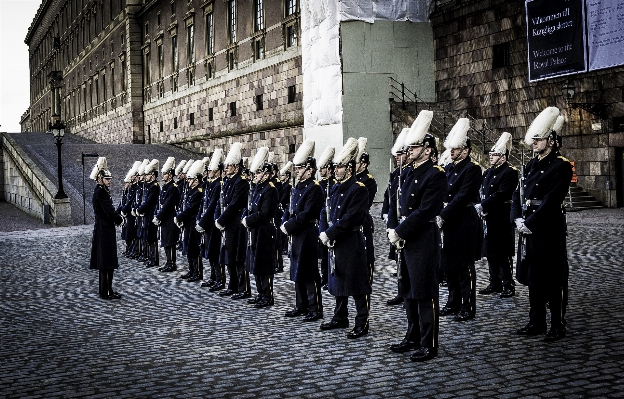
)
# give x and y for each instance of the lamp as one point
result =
(58, 131)
(596, 109)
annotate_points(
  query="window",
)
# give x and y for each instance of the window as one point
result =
(500, 53)
(104, 87)
(123, 75)
(210, 114)
(209, 70)
(291, 148)
(232, 20)
(233, 108)
(172, 9)
(259, 105)
(97, 92)
(292, 94)
(190, 44)
(231, 60)
(291, 36)
(192, 118)
(209, 34)
(158, 19)
(161, 126)
(291, 7)
(112, 81)
(258, 15)
(174, 53)
(146, 29)
(258, 49)
(161, 61)
(146, 70)
(175, 122)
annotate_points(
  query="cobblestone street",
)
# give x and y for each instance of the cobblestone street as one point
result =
(170, 338)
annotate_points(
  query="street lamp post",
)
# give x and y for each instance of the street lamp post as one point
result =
(58, 131)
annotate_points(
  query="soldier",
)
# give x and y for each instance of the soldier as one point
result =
(285, 192)
(537, 212)
(302, 228)
(327, 181)
(128, 232)
(232, 203)
(128, 212)
(181, 183)
(147, 210)
(205, 224)
(417, 239)
(399, 153)
(499, 183)
(138, 200)
(185, 219)
(460, 225)
(341, 232)
(168, 199)
(258, 221)
(363, 176)
(104, 242)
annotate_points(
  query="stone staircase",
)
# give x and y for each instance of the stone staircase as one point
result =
(578, 199)
(41, 149)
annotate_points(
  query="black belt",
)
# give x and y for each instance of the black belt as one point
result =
(533, 202)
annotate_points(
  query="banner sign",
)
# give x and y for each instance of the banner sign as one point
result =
(556, 38)
(605, 33)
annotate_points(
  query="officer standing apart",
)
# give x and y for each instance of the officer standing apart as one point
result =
(417, 239)
(539, 218)
(499, 183)
(301, 225)
(232, 203)
(460, 224)
(168, 199)
(341, 232)
(104, 242)
(259, 222)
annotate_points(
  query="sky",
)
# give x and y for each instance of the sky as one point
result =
(15, 18)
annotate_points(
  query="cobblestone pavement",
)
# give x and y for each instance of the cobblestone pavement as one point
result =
(170, 338)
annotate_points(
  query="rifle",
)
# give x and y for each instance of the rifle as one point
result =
(482, 216)
(249, 200)
(290, 209)
(401, 243)
(524, 209)
(330, 246)
(222, 208)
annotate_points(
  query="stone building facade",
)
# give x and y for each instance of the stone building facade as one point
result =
(481, 70)
(196, 73)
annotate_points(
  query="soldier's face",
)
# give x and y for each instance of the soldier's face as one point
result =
(166, 177)
(260, 177)
(341, 172)
(323, 172)
(494, 158)
(230, 170)
(107, 181)
(360, 167)
(300, 170)
(283, 178)
(458, 154)
(400, 159)
(539, 145)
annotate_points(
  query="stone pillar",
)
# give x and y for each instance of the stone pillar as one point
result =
(134, 64)
(62, 212)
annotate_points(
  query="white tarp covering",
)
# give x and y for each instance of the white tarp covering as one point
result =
(386, 10)
(322, 78)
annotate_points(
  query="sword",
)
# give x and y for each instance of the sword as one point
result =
(524, 208)
(399, 247)
(332, 258)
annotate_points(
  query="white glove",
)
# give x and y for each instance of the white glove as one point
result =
(479, 209)
(133, 212)
(199, 228)
(123, 222)
(177, 222)
(218, 226)
(439, 221)
(523, 229)
(393, 236)
(385, 217)
(244, 222)
(140, 214)
(324, 239)
(283, 229)
(123, 215)
(156, 221)
(519, 222)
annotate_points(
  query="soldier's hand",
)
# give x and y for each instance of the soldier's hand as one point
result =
(479, 209)
(123, 215)
(156, 221)
(393, 236)
(439, 221)
(523, 229)
(385, 217)
(199, 228)
(283, 229)
(123, 222)
(519, 222)
(133, 212)
(244, 222)
(324, 239)
(218, 226)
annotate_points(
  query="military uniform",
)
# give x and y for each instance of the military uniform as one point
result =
(169, 232)
(302, 226)
(212, 235)
(544, 268)
(498, 185)
(233, 200)
(423, 191)
(191, 238)
(460, 228)
(348, 205)
(326, 185)
(261, 249)
(147, 208)
(368, 228)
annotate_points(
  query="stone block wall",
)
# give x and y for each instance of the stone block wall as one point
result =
(503, 99)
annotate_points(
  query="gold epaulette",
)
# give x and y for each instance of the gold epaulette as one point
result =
(155, 183)
(271, 184)
(564, 159)
(175, 185)
(438, 167)
(370, 176)
(513, 167)
(199, 189)
(361, 184)
(316, 182)
(243, 177)
(476, 163)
